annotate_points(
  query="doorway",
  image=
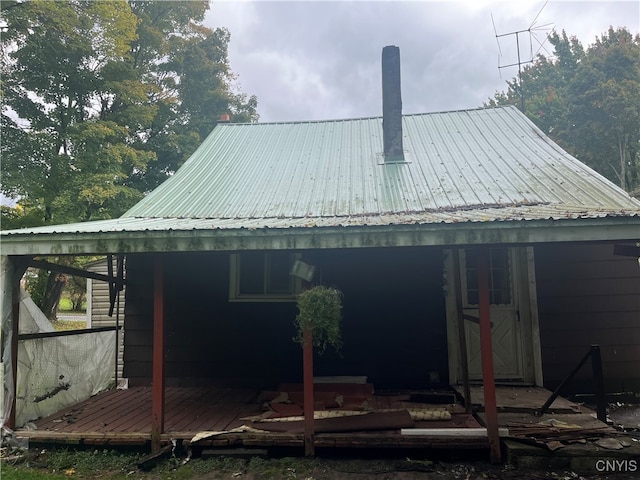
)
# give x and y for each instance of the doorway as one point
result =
(513, 311)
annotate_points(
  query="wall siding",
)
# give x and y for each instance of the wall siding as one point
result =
(587, 295)
(100, 307)
(393, 328)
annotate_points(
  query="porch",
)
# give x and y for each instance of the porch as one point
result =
(225, 417)
(233, 417)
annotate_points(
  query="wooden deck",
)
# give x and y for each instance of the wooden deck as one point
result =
(123, 417)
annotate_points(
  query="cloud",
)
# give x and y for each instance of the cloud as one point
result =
(321, 60)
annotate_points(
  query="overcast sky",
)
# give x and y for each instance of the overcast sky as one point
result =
(316, 60)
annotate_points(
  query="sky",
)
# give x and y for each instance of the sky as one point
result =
(320, 60)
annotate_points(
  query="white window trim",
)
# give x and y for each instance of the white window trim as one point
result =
(234, 285)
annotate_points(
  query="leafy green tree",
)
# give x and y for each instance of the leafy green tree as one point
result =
(588, 101)
(101, 102)
(62, 153)
(607, 119)
(187, 64)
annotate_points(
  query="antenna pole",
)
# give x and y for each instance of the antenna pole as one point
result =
(520, 86)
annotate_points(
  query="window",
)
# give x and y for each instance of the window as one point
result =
(263, 277)
(499, 276)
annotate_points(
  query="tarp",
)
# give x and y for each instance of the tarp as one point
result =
(53, 372)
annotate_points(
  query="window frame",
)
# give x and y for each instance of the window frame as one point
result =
(235, 295)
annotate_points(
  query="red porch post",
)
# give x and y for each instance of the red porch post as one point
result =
(307, 367)
(157, 392)
(486, 349)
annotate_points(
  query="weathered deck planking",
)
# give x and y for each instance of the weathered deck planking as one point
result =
(123, 417)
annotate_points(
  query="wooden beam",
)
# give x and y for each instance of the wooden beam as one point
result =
(486, 350)
(451, 432)
(307, 366)
(462, 338)
(157, 395)
(75, 271)
(15, 331)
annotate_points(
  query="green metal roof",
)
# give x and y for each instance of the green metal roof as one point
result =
(489, 167)
(455, 161)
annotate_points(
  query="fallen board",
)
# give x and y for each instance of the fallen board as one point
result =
(356, 423)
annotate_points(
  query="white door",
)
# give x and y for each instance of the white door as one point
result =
(506, 331)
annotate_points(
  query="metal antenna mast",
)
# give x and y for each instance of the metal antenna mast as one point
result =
(531, 31)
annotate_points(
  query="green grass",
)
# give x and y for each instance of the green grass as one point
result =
(68, 463)
(66, 305)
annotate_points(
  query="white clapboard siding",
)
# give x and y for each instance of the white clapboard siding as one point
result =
(98, 306)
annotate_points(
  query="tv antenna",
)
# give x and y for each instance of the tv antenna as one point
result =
(532, 33)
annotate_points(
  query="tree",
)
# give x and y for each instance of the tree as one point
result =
(588, 101)
(607, 119)
(102, 101)
(193, 84)
(55, 56)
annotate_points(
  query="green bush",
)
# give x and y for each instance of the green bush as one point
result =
(320, 308)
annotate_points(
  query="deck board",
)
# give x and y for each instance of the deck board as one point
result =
(123, 417)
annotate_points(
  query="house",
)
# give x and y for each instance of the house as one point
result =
(422, 221)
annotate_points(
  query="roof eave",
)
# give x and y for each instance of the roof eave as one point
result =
(441, 234)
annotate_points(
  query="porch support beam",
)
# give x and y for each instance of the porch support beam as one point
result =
(157, 400)
(486, 349)
(307, 367)
(15, 331)
(77, 272)
(16, 271)
(462, 338)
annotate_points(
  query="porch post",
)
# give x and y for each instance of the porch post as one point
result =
(157, 392)
(486, 349)
(307, 367)
(462, 337)
(16, 275)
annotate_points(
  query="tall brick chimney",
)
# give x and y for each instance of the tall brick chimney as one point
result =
(391, 104)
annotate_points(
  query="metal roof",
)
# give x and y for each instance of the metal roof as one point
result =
(461, 160)
(471, 166)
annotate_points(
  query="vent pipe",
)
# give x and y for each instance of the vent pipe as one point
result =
(391, 104)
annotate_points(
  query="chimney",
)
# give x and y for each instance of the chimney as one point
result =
(224, 118)
(391, 105)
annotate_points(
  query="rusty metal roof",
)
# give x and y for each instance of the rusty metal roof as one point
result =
(470, 166)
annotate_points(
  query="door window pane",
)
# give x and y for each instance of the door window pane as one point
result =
(499, 276)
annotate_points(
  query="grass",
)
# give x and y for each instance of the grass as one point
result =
(69, 325)
(107, 464)
(66, 306)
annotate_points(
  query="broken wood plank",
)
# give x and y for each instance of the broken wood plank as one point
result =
(369, 421)
(451, 432)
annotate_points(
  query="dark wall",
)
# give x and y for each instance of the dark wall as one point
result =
(394, 328)
(587, 295)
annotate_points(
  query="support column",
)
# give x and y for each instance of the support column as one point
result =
(462, 337)
(486, 348)
(15, 331)
(157, 391)
(307, 367)
(13, 269)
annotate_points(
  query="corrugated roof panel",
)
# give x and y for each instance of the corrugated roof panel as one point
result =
(334, 168)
